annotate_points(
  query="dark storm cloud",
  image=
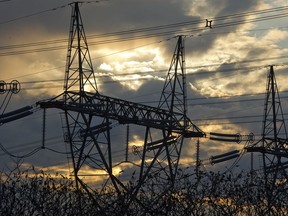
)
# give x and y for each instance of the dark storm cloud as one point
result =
(28, 16)
(257, 52)
(130, 14)
(234, 6)
(102, 17)
(203, 41)
(121, 15)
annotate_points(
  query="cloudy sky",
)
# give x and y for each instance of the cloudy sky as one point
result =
(131, 44)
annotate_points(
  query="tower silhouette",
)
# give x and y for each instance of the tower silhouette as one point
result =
(273, 145)
(90, 116)
(162, 149)
(87, 134)
(274, 133)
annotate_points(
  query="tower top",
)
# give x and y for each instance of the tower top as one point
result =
(79, 74)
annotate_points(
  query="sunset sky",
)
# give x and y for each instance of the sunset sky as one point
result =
(131, 44)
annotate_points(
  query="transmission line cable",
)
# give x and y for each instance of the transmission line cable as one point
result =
(163, 71)
(33, 14)
(151, 35)
(45, 11)
(34, 151)
(26, 146)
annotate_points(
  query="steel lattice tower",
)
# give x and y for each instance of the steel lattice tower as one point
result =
(274, 133)
(273, 145)
(274, 141)
(87, 135)
(162, 148)
(79, 75)
(89, 118)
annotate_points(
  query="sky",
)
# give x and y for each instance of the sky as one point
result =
(131, 44)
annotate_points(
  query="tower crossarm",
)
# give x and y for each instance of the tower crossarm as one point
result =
(125, 112)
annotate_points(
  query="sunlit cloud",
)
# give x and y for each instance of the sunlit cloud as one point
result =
(205, 8)
(129, 67)
(134, 64)
(136, 141)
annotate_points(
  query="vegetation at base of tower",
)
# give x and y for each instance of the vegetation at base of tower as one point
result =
(32, 192)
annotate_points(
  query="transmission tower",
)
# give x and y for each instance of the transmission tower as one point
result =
(79, 75)
(162, 148)
(274, 133)
(273, 145)
(162, 145)
(87, 134)
(89, 118)
(83, 130)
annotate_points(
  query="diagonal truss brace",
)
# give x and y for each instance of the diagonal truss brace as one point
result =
(125, 112)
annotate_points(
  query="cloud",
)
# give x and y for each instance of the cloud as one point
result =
(144, 13)
(220, 60)
(132, 68)
(243, 48)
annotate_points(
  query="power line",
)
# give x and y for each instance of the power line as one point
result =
(229, 123)
(234, 101)
(33, 14)
(224, 102)
(145, 73)
(148, 29)
(44, 11)
(227, 118)
(221, 97)
(34, 151)
(164, 70)
(263, 11)
(24, 146)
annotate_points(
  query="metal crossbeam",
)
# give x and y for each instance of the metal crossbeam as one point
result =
(125, 112)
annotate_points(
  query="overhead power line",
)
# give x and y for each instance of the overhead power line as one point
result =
(44, 11)
(102, 75)
(33, 14)
(155, 31)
